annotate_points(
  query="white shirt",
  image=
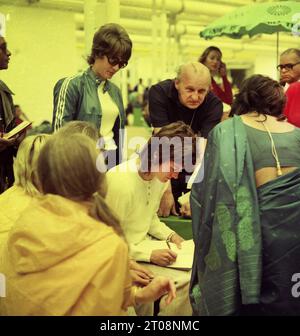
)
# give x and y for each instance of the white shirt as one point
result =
(136, 201)
(110, 113)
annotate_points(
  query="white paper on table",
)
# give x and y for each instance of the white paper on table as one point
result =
(202, 145)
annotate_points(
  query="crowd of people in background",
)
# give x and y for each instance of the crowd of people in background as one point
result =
(73, 238)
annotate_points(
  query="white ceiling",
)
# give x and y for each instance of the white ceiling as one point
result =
(192, 16)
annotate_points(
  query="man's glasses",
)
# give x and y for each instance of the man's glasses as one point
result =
(288, 66)
(116, 61)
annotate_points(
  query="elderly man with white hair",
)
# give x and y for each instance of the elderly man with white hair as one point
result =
(187, 98)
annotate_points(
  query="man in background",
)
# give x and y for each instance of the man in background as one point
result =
(289, 67)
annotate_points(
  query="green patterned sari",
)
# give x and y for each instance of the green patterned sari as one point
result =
(229, 227)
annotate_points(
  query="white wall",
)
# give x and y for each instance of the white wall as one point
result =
(44, 49)
(265, 64)
(42, 43)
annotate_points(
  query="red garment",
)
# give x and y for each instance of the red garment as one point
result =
(226, 95)
(18, 121)
(292, 107)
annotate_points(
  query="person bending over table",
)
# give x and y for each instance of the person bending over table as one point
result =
(134, 192)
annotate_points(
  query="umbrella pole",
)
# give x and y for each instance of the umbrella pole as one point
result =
(277, 48)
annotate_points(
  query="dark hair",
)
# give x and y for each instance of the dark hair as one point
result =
(260, 94)
(111, 40)
(169, 144)
(292, 51)
(205, 53)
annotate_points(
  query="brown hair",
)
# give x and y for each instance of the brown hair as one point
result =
(260, 94)
(111, 40)
(169, 143)
(206, 52)
(67, 167)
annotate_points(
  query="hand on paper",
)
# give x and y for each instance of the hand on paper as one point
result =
(163, 257)
(185, 210)
(176, 239)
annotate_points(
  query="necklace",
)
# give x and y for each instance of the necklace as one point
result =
(148, 192)
(274, 151)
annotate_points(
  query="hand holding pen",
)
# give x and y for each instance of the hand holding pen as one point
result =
(163, 257)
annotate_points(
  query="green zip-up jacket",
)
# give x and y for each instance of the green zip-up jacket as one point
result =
(76, 98)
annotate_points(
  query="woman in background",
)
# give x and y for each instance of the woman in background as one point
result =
(212, 58)
(66, 254)
(246, 210)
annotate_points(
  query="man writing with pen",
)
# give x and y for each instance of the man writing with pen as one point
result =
(134, 191)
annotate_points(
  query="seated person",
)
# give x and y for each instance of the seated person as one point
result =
(139, 274)
(16, 198)
(134, 191)
(63, 252)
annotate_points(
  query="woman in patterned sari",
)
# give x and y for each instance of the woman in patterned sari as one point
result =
(246, 210)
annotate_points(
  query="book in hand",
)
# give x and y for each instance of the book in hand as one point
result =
(17, 130)
(185, 255)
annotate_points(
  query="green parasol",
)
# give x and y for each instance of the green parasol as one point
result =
(262, 18)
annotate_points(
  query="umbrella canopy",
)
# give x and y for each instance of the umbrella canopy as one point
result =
(262, 18)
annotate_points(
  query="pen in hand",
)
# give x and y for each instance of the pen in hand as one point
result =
(168, 243)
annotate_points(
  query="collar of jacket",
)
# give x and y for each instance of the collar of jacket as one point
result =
(98, 80)
(5, 88)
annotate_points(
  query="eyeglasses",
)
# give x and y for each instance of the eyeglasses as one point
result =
(288, 66)
(116, 61)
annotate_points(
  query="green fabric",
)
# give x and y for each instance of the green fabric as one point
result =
(182, 226)
(8, 106)
(287, 147)
(76, 98)
(279, 202)
(226, 226)
(262, 18)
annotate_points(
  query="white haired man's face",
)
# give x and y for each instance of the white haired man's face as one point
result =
(192, 89)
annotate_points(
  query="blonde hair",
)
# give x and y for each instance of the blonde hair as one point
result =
(193, 68)
(25, 164)
(83, 127)
(67, 167)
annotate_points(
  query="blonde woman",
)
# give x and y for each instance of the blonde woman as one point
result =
(17, 198)
(139, 274)
(67, 255)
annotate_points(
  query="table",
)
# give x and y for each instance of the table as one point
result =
(182, 226)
